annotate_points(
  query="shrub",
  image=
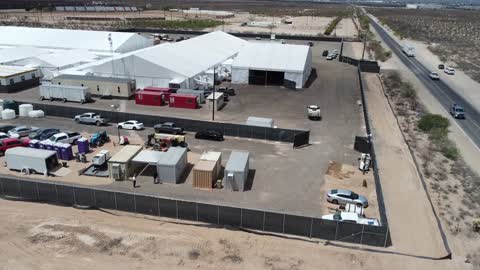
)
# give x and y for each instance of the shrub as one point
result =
(408, 91)
(449, 150)
(430, 121)
(332, 25)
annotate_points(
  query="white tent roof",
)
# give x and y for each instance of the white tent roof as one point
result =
(67, 39)
(272, 57)
(65, 58)
(19, 53)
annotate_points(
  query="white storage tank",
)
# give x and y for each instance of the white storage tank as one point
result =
(8, 114)
(36, 114)
(24, 109)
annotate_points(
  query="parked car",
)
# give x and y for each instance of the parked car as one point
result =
(7, 128)
(335, 51)
(325, 53)
(90, 118)
(65, 137)
(10, 143)
(209, 134)
(330, 57)
(313, 112)
(441, 66)
(21, 131)
(179, 39)
(449, 71)
(130, 124)
(258, 38)
(352, 218)
(457, 111)
(3, 135)
(344, 196)
(310, 43)
(43, 133)
(229, 90)
(167, 127)
(434, 76)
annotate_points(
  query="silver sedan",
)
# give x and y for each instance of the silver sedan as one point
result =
(344, 196)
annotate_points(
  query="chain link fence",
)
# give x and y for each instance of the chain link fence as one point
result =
(55, 193)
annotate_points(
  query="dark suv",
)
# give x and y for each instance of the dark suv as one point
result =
(457, 111)
(209, 134)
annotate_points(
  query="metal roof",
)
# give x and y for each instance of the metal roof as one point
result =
(91, 78)
(30, 152)
(211, 156)
(7, 71)
(148, 156)
(205, 165)
(237, 161)
(172, 156)
(126, 154)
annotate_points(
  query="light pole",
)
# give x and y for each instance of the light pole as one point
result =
(214, 100)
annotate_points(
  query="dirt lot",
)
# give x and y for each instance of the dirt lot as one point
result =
(452, 34)
(38, 236)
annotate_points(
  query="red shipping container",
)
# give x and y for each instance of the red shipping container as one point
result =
(183, 101)
(149, 98)
(157, 89)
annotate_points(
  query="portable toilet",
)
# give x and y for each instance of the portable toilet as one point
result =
(41, 145)
(83, 146)
(57, 147)
(66, 151)
(49, 146)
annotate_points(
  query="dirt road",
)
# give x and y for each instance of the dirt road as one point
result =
(38, 236)
(412, 224)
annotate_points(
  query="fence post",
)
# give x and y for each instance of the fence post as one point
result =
(134, 202)
(241, 217)
(196, 210)
(1, 187)
(176, 208)
(263, 228)
(311, 227)
(74, 198)
(38, 191)
(283, 224)
(336, 231)
(158, 204)
(386, 237)
(115, 199)
(19, 188)
(56, 192)
(218, 214)
(94, 197)
(361, 235)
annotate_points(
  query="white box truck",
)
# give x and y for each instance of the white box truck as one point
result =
(408, 50)
(31, 160)
(64, 93)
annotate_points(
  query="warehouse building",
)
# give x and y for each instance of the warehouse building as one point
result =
(100, 86)
(94, 41)
(273, 64)
(177, 65)
(13, 78)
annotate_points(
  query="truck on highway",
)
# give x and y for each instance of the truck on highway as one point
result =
(408, 50)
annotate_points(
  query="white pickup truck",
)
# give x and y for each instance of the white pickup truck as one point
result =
(64, 137)
(352, 218)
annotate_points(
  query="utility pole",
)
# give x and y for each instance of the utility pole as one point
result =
(214, 100)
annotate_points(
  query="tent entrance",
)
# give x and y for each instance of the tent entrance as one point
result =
(263, 77)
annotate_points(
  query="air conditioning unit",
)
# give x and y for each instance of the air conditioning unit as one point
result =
(116, 171)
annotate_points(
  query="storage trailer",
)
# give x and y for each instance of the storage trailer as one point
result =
(206, 171)
(172, 164)
(120, 165)
(150, 98)
(236, 171)
(31, 160)
(218, 100)
(198, 93)
(183, 101)
(65, 93)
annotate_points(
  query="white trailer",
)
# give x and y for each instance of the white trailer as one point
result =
(31, 160)
(408, 50)
(64, 93)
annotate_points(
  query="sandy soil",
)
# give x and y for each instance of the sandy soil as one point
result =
(346, 28)
(32, 239)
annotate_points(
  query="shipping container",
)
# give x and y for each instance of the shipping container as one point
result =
(64, 93)
(207, 170)
(218, 100)
(236, 171)
(158, 89)
(183, 101)
(120, 165)
(149, 98)
(31, 160)
(199, 93)
(172, 164)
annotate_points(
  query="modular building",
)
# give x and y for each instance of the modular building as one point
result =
(172, 164)
(207, 170)
(16, 78)
(120, 165)
(100, 86)
(216, 99)
(236, 171)
(150, 98)
(183, 101)
(31, 160)
(64, 93)
(199, 93)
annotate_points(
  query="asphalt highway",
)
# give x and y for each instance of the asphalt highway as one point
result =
(439, 89)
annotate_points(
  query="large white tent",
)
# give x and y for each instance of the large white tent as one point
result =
(9, 55)
(95, 41)
(183, 62)
(294, 61)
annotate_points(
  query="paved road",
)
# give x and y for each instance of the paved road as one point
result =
(439, 89)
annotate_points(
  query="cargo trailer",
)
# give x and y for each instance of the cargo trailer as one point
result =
(65, 93)
(236, 171)
(183, 101)
(259, 122)
(150, 98)
(120, 165)
(172, 164)
(218, 100)
(199, 93)
(31, 160)
(158, 89)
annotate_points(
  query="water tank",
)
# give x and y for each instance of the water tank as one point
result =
(8, 114)
(36, 114)
(25, 109)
